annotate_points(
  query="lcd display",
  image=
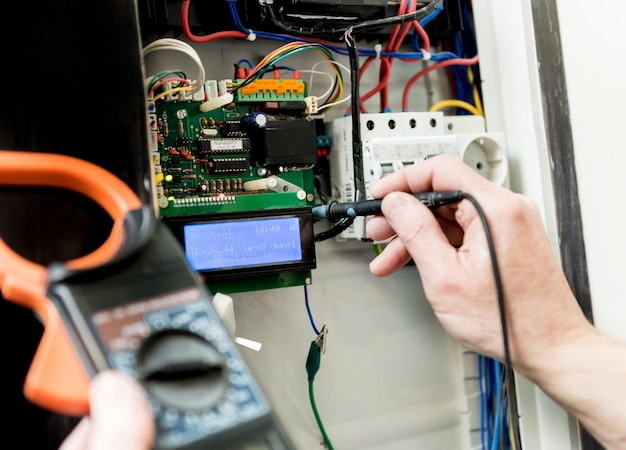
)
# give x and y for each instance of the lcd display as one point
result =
(224, 245)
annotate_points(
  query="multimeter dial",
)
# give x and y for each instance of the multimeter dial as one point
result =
(182, 370)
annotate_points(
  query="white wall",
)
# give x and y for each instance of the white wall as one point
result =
(593, 45)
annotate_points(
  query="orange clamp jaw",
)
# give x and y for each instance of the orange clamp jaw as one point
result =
(57, 380)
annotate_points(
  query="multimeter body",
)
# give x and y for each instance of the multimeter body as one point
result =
(149, 315)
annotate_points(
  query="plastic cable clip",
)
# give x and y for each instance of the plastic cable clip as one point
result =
(378, 49)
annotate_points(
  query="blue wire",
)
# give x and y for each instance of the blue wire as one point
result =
(432, 16)
(482, 386)
(235, 15)
(308, 310)
(498, 400)
(489, 411)
(292, 69)
(244, 60)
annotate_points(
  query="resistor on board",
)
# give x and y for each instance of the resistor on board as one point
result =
(228, 185)
(185, 154)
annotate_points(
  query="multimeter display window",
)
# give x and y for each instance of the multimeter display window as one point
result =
(242, 243)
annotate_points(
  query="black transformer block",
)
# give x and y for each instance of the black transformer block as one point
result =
(285, 143)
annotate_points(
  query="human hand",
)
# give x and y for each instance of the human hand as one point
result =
(120, 417)
(452, 257)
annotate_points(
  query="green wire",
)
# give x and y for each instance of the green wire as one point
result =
(318, 419)
(312, 366)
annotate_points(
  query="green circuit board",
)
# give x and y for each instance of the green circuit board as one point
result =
(207, 182)
(222, 162)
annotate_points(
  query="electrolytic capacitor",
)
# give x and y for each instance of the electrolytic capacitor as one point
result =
(254, 120)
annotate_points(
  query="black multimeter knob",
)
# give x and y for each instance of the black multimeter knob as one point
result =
(182, 370)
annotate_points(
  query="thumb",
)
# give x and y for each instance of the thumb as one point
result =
(419, 231)
(121, 417)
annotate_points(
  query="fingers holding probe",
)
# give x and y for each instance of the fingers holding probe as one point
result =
(417, 229)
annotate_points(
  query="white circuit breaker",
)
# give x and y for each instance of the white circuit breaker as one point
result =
(391, 141)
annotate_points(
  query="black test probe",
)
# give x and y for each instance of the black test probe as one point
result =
(334, 211)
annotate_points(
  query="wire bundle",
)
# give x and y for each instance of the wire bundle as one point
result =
(270, 63)
(178, 77)
(494, 426)
(396, 39)
(414, 18)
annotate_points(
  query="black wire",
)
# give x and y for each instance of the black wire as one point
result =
(359, 183)
(342, 225)
(357, 145)
(368, 24)
(509, 380)
(399, 20)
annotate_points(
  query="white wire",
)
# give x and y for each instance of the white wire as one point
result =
(328, 61)
(319, 72)
(183, 47)
(334, 103)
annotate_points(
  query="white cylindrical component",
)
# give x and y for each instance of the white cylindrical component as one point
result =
(215, 103)
(261, 184)
(223, 305)
(255, 185)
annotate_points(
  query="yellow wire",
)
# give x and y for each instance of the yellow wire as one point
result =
(511, 437)
(477, 101)
(455, 103)
(166, 93)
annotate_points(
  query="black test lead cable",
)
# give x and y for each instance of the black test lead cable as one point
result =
(509, 375)
(334, 211)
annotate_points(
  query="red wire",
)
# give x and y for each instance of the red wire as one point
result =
(397, 36)
(425, 39)
(369, 94)
(384, 82)
(439, 65)
(396, 28)
(209, 37)
(384, 71)
(384, 105)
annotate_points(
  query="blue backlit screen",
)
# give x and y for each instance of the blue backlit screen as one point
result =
(242, 243)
